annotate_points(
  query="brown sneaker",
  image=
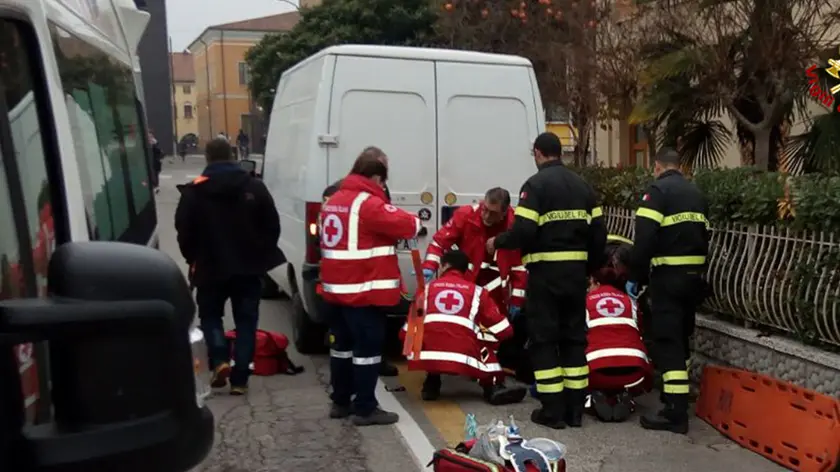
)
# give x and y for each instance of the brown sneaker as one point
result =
(238, 391)
(220, 375)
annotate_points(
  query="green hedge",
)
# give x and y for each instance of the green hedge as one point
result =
(743, 195)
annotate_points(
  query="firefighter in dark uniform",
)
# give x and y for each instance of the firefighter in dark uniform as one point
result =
(669, 255)
(561, 234)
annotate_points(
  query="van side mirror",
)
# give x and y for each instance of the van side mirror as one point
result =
(250, 167)
(121, 365)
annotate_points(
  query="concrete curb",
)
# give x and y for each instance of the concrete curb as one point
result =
(721, 343)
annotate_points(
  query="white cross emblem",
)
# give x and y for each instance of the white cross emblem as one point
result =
(449, 302)
(610, 307)
(331, 230)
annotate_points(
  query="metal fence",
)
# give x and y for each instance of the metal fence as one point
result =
(769, 276)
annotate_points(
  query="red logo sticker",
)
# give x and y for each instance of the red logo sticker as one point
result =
(523, 195)
(646, 197)
(390, 208)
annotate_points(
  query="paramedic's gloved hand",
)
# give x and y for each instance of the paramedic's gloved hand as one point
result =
(514, 312)
(632, 289)
(428, 274)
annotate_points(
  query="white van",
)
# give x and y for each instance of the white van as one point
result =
(453, 124)
(86, 298)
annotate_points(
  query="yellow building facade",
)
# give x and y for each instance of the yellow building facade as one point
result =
(222, 98)
(184, 96)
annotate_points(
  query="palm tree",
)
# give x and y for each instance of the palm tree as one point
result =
(743, 58)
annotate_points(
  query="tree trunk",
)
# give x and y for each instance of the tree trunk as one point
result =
(582, 142)
(761, 150)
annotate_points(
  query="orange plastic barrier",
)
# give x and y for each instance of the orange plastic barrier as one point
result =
(413, 342)
(795, 427)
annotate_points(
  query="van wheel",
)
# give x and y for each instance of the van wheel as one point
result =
(270, 290)
(308, 336)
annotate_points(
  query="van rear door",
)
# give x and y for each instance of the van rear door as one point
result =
(389, 103)
(487, 121)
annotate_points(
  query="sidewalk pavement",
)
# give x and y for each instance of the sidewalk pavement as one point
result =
(597, 447)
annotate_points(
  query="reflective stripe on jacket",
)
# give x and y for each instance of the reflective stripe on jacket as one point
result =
(613, 338)
(466, 230)
(456, 311)
(359, 231)
(671, 227)
(558, 227)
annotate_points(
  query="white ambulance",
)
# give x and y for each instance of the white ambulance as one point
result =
(99, 366)
(453, 124)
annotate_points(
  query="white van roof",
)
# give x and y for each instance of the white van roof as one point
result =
(416, 53)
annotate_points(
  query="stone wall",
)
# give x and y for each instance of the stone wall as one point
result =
(722, 343)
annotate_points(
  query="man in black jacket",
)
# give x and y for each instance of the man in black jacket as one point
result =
(228, 229)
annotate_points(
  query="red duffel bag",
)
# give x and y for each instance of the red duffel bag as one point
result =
(270, 356)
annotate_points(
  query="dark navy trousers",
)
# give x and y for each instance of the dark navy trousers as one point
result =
(357, 335)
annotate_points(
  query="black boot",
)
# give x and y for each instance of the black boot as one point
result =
(548, 418)
(623, 407)
(431, 388)
(575, 400)
(499, 394)
(552, 412)
(386, 369)
(602, 406)
(673, 418)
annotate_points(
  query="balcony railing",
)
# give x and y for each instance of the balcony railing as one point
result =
(769, 276)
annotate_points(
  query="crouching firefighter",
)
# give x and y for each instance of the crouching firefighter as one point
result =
(671, 245)
(455, 312)
(618, 365)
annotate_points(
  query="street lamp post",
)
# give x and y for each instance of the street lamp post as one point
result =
(289, 2)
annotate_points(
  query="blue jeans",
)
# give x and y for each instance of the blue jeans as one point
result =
(356, 338)
(244, 294)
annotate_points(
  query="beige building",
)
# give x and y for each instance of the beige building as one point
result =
(184, 96)
(224, 103)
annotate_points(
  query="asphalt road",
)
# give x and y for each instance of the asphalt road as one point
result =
(282, 424)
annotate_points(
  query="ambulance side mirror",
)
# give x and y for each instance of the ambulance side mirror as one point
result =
(120, 366)
(250, 167)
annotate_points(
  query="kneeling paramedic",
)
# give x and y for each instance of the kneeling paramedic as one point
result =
(669, 254)
(500, 273)
(616, 355)
(455, 312)
(560, 231)
(360, 275)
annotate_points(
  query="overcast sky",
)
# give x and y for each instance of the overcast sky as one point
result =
(186, 19)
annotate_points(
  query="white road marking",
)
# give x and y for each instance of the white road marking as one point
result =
(415, 440)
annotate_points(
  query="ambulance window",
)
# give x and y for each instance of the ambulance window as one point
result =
(26, 214)
(29, 149)
(110, 140)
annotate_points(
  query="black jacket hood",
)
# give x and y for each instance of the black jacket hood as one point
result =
(224, 182)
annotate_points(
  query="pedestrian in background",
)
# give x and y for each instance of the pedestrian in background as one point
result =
(669, 252)
(360, 274)
(242, 143)
(157, 160)
(228, 229)
(559, 230)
